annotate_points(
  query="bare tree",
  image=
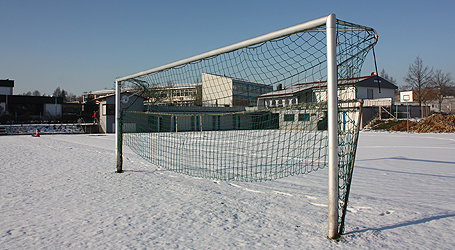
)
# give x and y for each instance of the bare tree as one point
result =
(70, 97)
(57, 92)
(386, 76)
(419, 79)
(36, 93)
(61, 93)
(64, 94)
(442, 83)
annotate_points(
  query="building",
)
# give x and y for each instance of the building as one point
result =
(106, 111)
(375, 87)
(6, 87)
(22, 108)
(215, 103)
(447, 105)
(181, 95)
(223, 91)
(97, 94)
(288, 99)
(197, 118)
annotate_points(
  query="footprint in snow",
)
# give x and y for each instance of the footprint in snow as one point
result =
(386, 213)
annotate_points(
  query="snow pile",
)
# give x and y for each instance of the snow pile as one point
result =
(61, 192)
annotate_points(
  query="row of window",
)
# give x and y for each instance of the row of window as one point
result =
(178, 92)
(245, 88)
(302, 117)
(281, 102)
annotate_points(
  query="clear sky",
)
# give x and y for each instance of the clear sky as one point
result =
(84, 45)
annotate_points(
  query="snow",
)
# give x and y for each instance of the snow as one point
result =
(60, 191)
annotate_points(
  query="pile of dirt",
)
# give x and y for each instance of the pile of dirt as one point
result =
(436, 123)
(403, 126)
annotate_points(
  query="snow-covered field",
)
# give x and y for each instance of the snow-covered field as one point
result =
(61, 192)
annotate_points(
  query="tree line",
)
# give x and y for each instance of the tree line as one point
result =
(428, 84)
(67, 97)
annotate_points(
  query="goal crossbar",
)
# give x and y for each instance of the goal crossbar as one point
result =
(318, 22)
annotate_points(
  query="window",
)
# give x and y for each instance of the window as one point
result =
(289, 117)
(369, 93)
(108, 109)
(111, 109)
(304, 117)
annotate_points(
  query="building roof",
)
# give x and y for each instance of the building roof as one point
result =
(113, 95)
(372, 82)
(7, 83)
(100, 92)
(23, 99)
(363, 81)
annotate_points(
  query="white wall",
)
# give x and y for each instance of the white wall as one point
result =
(6, 91)
(216, 90)
(385, 93)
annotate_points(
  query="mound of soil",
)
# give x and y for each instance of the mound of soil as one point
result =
(436, 123)
(403, 126)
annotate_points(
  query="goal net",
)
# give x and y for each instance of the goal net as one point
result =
(252, 111)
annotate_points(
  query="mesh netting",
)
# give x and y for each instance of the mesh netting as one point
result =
(253, 114)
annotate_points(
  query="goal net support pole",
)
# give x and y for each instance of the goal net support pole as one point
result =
(332, 106)
(118, 127)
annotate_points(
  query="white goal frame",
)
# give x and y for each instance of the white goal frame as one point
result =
(330, 22)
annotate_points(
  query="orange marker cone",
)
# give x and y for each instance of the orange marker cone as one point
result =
(36, 134)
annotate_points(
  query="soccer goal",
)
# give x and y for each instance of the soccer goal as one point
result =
(269, 107)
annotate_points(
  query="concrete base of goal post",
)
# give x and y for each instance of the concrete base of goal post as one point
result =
(332, 106)
(118, 130)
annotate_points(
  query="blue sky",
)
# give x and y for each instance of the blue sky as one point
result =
(84, 45)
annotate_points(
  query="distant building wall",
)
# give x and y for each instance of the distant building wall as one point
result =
(373, 93)
(106, 112)
(216, 90)
(19, 105)
(53, 109)
(6, 91)
(6, 87)
(223, 91)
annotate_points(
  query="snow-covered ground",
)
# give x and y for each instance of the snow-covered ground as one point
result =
(61, 192)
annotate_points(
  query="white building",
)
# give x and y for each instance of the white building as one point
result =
(181, 95)
(286, 101)
(6, 87)
(97, 94)
(106, 110)
(447, 105)
(223, 91)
